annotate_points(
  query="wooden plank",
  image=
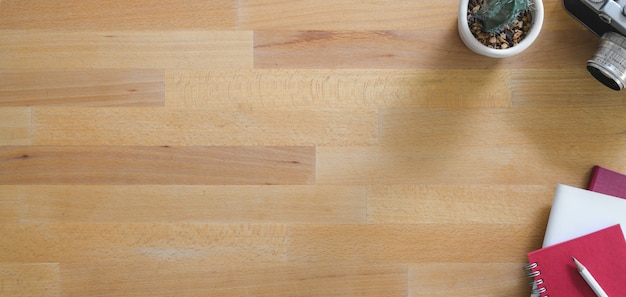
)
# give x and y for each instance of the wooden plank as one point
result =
(368, 15)
(193, 279)
(118, 15)
(271, 88)
(9, 206)
(423, 243)
(410, 204)
(564, 87)
(446, 127)
(496, 146)
(487, 164)
(345, 15)
(557, 18)
(193, 204)
(204, 127)
(35, 49)
(467, 279)
(127, 243)
(82, 88)
(157, 165)
(15, 126)
(246, 15)
(30, 279)
(421, 49)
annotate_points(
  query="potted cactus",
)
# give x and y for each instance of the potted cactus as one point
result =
(499, 28)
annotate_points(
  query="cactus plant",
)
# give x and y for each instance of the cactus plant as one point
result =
(497, 14)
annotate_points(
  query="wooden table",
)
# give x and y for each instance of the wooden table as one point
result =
(284, 148)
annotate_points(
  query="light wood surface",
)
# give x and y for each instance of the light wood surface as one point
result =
(284, 148)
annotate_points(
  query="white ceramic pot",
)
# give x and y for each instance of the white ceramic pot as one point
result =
(477, 47)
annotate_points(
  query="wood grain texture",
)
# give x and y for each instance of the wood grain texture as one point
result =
(204, 127)
(167, 279)
(345, 15)
(279, 88)
(118, 15)
(480, 146)
(10, 209)
(556, 18)
(403, 204)
(82, 88)
(397, 243)
(183, 204)
(284, 148)
(449, 128)
(441, 49)
(235, 244)
(15, 126)
(30, 279)
(34, 49)
(484, 279)
(482, 165)
(157, 165)
(554, 88)
(367, 15)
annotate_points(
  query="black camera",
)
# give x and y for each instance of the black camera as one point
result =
(607, 19)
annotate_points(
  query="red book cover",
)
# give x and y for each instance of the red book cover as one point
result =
(602, 252)
(608, 182)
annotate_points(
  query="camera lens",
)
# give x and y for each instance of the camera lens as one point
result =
(608, 65)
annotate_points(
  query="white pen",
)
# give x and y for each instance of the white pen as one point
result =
(589, 279)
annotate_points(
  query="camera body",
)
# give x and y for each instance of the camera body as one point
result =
(607, 19)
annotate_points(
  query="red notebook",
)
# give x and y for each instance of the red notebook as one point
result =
(608, 182)
(602, 252)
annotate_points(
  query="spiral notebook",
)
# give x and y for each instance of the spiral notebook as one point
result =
(576, 212)
(602, 252)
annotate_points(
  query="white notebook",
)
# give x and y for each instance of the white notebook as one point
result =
(576, 212)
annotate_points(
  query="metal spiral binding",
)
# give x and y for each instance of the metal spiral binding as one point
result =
(537, 283)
